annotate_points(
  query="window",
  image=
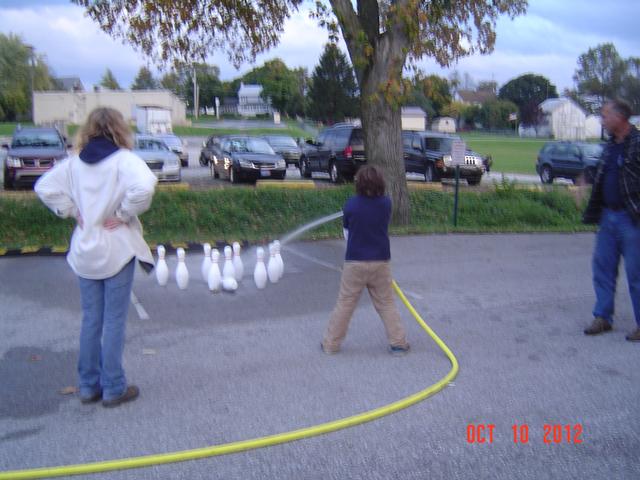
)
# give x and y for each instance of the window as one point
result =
(416, 143)
(432, 144)
(406, 140)
(341, 138)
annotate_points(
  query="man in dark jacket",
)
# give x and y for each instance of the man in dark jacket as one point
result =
(615, 206)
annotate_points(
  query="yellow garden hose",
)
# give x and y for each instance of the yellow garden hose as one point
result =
(235, 447)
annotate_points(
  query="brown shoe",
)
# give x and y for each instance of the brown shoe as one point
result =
(96, 397)
(599, 325)
(634, 336)
(131, 393)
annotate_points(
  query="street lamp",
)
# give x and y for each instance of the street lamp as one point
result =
(31, 77)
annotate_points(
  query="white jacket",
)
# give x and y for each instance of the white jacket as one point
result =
(120, 185)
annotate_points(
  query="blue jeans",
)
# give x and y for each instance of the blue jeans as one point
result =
(105, 305)
(617, 236)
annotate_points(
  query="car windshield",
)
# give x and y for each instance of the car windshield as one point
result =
(249, 145)
(282, 142)
(37, 139)
(594, 150)
(172, 141)
(149, 144)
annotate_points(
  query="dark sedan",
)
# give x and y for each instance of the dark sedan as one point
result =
(241, 158)
(285, 146)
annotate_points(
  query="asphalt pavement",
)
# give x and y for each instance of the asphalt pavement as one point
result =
(219, 368)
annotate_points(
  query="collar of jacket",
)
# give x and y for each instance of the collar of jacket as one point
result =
(97, 149)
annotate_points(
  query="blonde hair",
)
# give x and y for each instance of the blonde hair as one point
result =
(105, 122)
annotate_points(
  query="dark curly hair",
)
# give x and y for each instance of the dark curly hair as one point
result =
(370, 181)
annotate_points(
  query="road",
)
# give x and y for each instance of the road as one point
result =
(226, 367)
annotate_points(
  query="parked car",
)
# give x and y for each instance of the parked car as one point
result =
(572, 160)
(285, 146)
(209, 147)
(240, 158)
(163, 162)
(31, 153)
(338, 151)
(177, 146)
(429, 153)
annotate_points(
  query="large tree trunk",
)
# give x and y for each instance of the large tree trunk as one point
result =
(381, 123)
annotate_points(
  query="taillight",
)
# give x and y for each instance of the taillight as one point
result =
(348, 152)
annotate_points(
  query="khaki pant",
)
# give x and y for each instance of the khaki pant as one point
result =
(376, 276)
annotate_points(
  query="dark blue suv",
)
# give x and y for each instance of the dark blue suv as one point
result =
(572, 160)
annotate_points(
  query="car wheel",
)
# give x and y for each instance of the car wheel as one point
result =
(304, 168)
(203, 160)
(7, 183)
(474, 180)
(334, 173)
(546, 176)
(429, 173)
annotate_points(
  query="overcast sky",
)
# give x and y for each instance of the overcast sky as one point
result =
(546, 41)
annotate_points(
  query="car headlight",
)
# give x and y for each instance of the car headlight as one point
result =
(245, 163)
(281, 164)
(215, 159)
(14, 162)
(227, 162)
(447, 160)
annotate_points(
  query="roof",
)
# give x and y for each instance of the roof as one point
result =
(552, 104)
(472, 96)
(250, 90)
(413, 111)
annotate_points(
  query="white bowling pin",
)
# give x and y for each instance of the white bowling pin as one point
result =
(182, 274)
(206, 262)
(237, 262)
(162, 270)
(273, 268)
(228, 270)
(260, 272)
(214, 279)
(276, 246)
(229, 284)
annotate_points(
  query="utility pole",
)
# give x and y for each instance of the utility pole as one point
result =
(31, 80)
(195, 93)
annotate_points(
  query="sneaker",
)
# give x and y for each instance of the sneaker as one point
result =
(634, 336)
(131, 393)
(398, 350)
(326, 351)
(96, 397)
(599, 325)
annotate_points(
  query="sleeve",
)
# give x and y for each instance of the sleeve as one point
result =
(54, 190)
(139, 183)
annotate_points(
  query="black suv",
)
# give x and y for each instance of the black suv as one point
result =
(338, 151)
(429, 153)
(32, 152)
(572, 160)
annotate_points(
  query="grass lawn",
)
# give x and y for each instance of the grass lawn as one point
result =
(510, 154)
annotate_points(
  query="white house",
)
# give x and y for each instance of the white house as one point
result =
(444, 125)
(250, 103)
(593, 126)
(413, 118)
(562, 119)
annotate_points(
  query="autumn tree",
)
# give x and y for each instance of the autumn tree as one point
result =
(333, 94)
(144, 80)
(430, 92)
(600, 72)
(18, 67)
(381, 37)
(109, 81)
(528, 92)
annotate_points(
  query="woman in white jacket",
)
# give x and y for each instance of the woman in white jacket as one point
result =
(105, 187)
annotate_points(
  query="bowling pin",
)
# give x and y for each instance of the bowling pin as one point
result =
(272, 267)
(228, 270)
(162, 270)
(237, 262)
(229, 284)
(214, 278)
(182, 274)
(276, 246)
(206, 262)
(260, 272)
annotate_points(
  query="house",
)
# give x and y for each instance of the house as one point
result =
(562, 119)
(474, 97)
(444, 125)
(250, 102)
(54, 107)
(413, 118)
(593, 126)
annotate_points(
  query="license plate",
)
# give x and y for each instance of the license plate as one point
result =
(265, 173)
